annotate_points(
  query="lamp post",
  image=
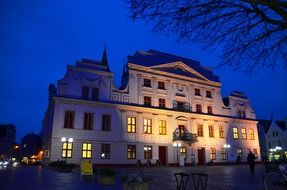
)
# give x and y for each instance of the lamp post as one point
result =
(226, 146)
(177, 144)
(65, 140)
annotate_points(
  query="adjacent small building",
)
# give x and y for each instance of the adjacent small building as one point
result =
(168, 109)
(272, 137)
(7, 141)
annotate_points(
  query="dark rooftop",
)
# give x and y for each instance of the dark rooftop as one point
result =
(267, 123)
(238, 94)
(153, 58)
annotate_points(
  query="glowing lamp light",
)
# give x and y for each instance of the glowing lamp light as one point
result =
(278, 148)
(63, 139)
(103, 155)
(41, 152)
(226, 145)
(70, 140)
(177, 144)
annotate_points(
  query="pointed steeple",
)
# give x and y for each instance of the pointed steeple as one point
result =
(105, 59)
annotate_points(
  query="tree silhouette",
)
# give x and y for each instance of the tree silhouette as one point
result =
(250, 33)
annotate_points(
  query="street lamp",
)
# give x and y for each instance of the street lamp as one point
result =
(177, 144)
(226, 146)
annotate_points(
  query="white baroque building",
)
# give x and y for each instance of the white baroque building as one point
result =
(168, 108)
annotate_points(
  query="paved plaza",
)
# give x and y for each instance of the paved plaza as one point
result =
(41, 178)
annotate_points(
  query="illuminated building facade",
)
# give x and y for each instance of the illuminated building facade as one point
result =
(168, 108)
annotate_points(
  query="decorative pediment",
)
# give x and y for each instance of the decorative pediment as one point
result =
(179, 68)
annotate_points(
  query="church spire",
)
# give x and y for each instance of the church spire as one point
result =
(105, 59)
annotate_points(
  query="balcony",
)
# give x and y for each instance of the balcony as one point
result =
(182, 134)
(181, 106)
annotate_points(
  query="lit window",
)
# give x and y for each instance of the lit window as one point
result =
(131, 151)
(208, 94)
(147, 101)
(105, 151)
(243, 133)
(182, 150)
(198, 108)
(162, 127)
(67, 148)
(235, 133)
(147, 152)
(88, 121)
(69, 119)
(161, 102)
(221, 131)
(197, 91)
(223, 154)
(147, 83)
(212, 154)
(106, 122)
(251, 134)
(147, 126)
(209, 109)
(131, 124)
(87, 150)
(161, 85)
(211, 131)
(200, 130)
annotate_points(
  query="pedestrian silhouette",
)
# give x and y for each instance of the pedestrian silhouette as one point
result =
(251, 162)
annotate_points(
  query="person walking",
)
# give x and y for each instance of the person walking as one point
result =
(251, 161)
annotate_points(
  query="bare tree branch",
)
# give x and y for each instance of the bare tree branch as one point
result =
(252, 33)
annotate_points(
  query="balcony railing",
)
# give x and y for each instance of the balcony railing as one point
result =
(189, 137)
(181, 106)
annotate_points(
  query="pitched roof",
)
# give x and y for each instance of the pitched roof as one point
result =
(152, 58)
(267, 123)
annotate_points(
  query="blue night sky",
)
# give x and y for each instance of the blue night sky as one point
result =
(38, 39)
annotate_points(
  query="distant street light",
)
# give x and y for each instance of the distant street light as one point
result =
(177, 144)
(278, 148)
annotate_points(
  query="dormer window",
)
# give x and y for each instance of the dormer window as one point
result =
(161, 85)
(241, 114)
(198, 108)
(147, 101)
(85, 92)
(209, 109)
(161, 103)
(147, 83)
(95, 93)
(208, 94)
(197, 92)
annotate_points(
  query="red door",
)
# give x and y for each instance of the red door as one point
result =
(201, 156)
(162, 154)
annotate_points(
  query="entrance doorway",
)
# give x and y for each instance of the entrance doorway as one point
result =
(162, 152)
(201, 155)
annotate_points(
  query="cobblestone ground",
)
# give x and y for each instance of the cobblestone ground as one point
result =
(40, 178)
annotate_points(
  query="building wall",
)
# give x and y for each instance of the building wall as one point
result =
(128, 101)
(119, 138)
